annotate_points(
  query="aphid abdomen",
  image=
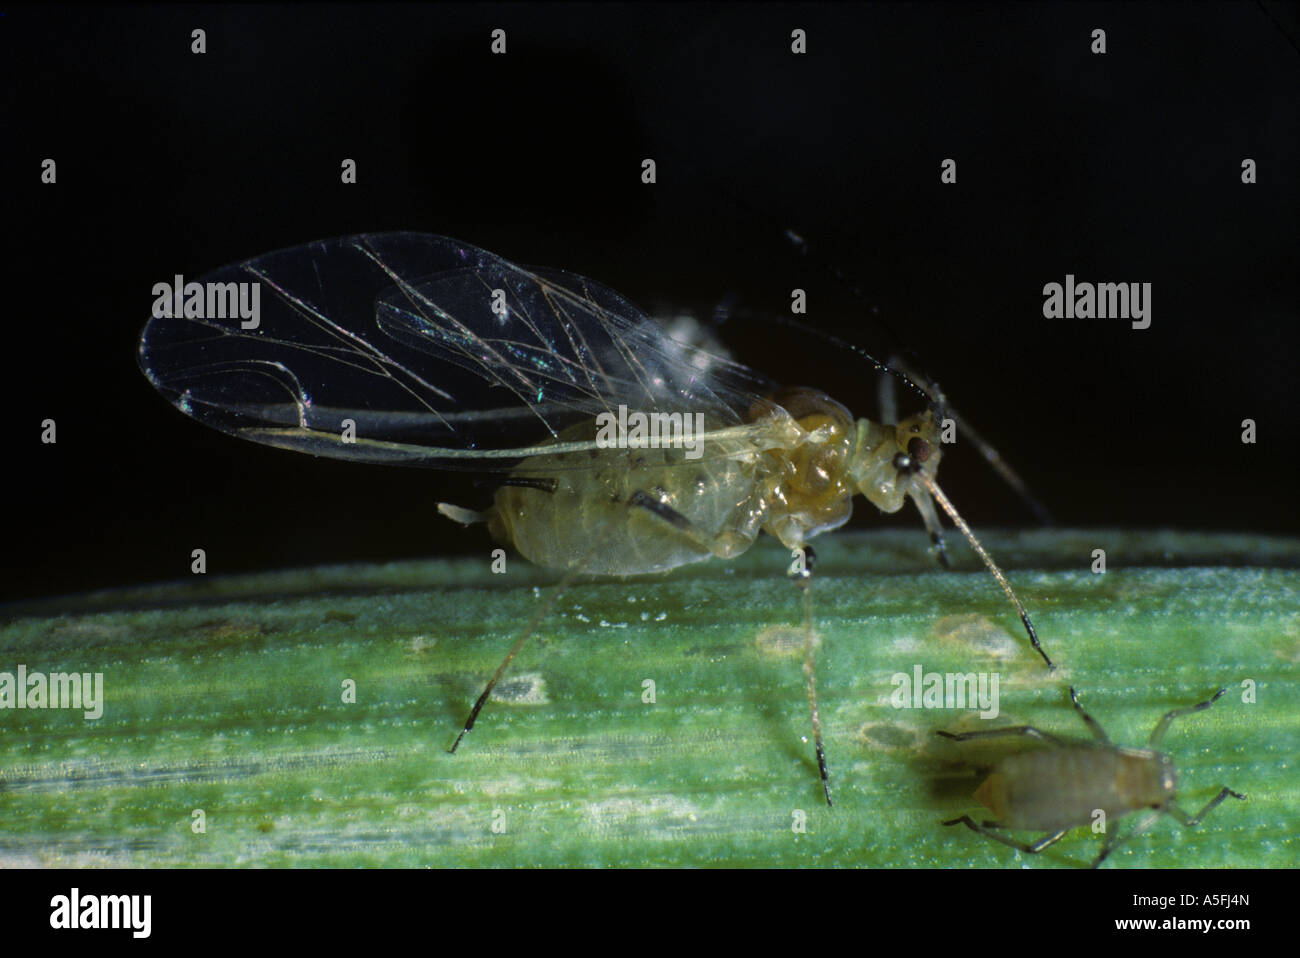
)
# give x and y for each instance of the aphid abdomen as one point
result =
(1052, 789)
(630, 511)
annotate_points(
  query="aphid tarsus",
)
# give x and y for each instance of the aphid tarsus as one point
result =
(1066, 784)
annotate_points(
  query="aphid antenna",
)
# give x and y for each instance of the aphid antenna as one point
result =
(985, 448)
(907, 368)
(1281, 29)
(926, 509)
(790, 238)
(934, 398)
(831, 339)
(914, 368)
(905, 364)
(938, 495)
(910, 373)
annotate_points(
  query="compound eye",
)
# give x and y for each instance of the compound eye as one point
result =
(918, 449)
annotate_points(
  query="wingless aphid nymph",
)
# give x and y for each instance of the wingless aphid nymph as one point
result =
(1065, 784)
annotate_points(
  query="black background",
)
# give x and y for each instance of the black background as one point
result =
(1122, 167)
(1082, 906)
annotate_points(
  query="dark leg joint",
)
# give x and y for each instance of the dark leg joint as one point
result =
(940, 550)
(1098, 732)
(1033, 639)
(826, 777)
(473, 717)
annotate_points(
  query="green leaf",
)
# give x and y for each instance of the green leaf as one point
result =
(226, 696)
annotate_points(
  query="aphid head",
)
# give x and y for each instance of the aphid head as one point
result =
(1146, 778)
(886, 461)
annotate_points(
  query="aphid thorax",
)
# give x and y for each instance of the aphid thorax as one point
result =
(814, 480)
(807, 486)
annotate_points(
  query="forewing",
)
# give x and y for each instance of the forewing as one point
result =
(441, 354)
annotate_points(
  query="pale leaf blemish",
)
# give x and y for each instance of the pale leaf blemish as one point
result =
(783, 641)
(507, 787)
(978, 633)
(888, 736)
(528, 688)
(905, 644)
(421, 643)
(665, 811)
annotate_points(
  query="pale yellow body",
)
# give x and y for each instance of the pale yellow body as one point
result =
(1060, 788)
(792, 474)
(589, 510)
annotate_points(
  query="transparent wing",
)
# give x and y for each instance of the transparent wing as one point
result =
(441, 355)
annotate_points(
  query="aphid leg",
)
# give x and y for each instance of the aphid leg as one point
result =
(1111, 842)
(986, 829)
(1195, 820)
(1026, 730)
(515, 649)
(925, 506)
(803, 580)
(1093, 725)
(1173, 811)
(466, 517)
(663, 511)
(960, 523)
(1162, 726)
(725, 545)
